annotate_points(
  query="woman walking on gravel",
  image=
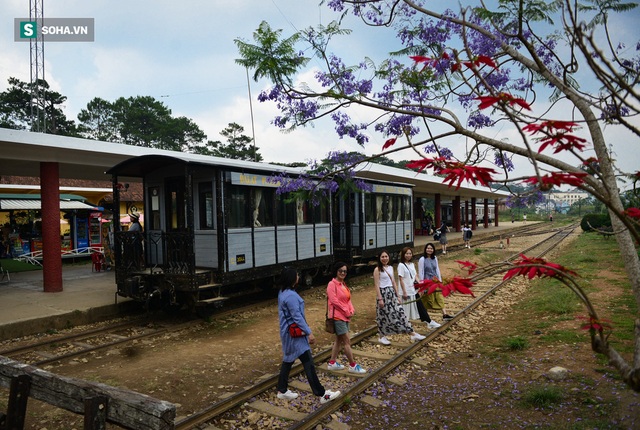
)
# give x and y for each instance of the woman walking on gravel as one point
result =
(444, 229)
(390, 316)
(291, 311)
(429, 269)
(340, 309)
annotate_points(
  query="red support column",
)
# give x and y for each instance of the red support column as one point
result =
(486, 213)
(456, 213)
(51, 244)
(474, 216)
(495, 212)
(466, 216)
(438, 212)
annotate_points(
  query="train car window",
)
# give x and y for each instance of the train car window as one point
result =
(286, 210)
(239, 207)
(320, 213)
(176, 207)
(407, 208)
(263, 200)
(379, 208)
(205, 206)
(369, 208)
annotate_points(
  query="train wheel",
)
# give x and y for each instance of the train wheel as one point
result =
(307, 279)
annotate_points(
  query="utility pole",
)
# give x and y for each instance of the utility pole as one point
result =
(36, 44)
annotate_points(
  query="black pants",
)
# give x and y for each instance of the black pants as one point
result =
(309, 369)
(424, 315)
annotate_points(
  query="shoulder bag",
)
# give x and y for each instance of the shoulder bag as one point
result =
(294, 328)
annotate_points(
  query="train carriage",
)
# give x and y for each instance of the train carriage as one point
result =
(214, 226)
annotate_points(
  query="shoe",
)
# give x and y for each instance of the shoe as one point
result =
(335, 366)
(433, 324)
(447, 317)
(417, 337)
(356, 369)
(328, 396)
(444, 252)
(383, 340)
(289, 395)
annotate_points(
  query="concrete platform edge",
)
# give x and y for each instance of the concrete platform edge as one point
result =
(66, 320)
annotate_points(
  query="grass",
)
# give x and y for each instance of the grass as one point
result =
(543, 396)
(516, 343)
(14, 266)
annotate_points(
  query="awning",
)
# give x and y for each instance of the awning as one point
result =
(35, 204)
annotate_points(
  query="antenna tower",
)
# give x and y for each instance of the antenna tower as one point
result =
(38, 119)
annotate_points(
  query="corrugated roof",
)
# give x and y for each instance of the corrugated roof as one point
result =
(35, 204)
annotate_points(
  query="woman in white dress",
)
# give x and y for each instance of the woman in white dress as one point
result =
(411, 303)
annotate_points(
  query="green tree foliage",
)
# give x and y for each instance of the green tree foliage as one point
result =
(139, 121)
(238, 145)
(16, 103)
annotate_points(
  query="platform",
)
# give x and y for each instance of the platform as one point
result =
(86, 297)
(90, 296)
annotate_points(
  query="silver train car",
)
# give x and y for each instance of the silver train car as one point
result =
(216, 228)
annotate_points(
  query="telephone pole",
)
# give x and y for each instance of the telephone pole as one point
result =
(38, 117)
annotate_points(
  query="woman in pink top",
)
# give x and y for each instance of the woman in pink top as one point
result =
(340, 308)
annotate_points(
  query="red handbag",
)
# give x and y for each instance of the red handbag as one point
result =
(295, 330)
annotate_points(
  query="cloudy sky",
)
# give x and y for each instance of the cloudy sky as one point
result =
(182, 53)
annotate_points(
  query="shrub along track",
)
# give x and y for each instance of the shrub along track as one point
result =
(304, 412)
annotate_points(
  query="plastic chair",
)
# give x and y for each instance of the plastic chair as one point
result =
(97, 262)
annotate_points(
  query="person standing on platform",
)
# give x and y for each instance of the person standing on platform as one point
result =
(290, 311)
(341, 310)
(408, 276)
(390, 316)
(429, 269)
(138, 250)
(466, 235)
(444, 229)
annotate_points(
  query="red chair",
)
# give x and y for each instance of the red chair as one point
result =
(97, 262)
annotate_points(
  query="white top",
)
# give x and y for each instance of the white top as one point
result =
(407, 274)
(385, 274)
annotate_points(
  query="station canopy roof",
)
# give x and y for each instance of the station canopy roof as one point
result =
(10, 202)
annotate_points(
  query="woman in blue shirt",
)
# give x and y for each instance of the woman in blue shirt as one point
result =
(291, 310)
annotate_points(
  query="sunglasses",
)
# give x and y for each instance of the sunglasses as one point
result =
(342, 271)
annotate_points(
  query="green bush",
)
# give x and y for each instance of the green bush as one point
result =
(595, 221)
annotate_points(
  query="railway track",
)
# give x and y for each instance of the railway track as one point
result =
(306, 412)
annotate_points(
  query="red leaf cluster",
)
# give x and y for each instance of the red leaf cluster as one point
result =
(632, 213)
(480, 59)
(427, 61)
(469, 265)
(455, 171)
(550, 126)
(461, 285)
(595, 323)
(532, 267)
(426, 163)
(488, 101)
(547, 182)
(461, 172)
(389, 143)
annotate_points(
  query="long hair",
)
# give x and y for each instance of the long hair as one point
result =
(288, 279)
(380, 266)
(434, 250)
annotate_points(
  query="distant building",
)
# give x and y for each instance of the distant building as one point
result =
(567, 198)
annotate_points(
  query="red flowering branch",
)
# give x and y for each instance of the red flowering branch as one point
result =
(476, 62)
(546, 182)
(389, 143)
(595, 324)
(472, 267)
(488, 101)
(461, 285)
(455, 171)
(632, 213)
(532, 267)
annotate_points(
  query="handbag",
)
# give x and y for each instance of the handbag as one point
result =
(329, 325)
(295, 330)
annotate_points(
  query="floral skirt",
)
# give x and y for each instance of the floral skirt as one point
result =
(391, 318)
